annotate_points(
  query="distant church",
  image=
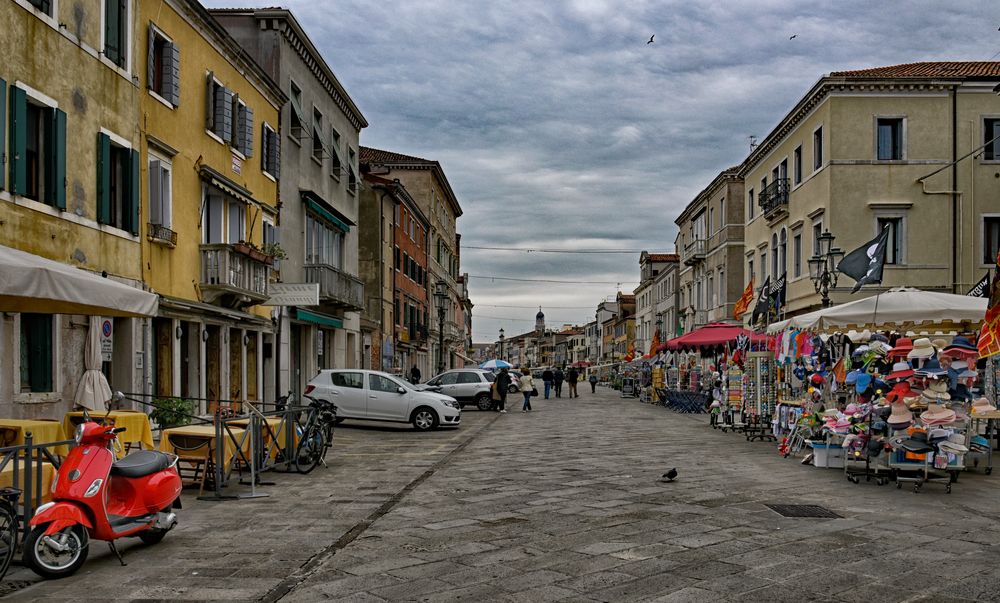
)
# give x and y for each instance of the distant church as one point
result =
(540, 321)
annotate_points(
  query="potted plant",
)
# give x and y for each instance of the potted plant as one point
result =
(275, 251)
(172, 412)
(242, 247)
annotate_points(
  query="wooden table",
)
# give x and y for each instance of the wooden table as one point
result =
(7, 479)
(136, 424)
(276, 426)
(208, 431)
(42, 432)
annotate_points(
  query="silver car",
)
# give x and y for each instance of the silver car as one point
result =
(468, 386)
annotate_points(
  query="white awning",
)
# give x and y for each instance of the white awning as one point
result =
(31, 283)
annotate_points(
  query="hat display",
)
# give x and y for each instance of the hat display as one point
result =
(939, 343)
(900, 370)
(937, 414)
(982, 405)
(903, 347)
(922, 348)
(961, 347)
(932, 368)
(852, 409)
(852, 377)
(862, 383)
(901, 416)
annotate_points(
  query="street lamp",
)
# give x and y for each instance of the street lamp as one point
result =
(823, 266)
(441, 297)
(501, 343)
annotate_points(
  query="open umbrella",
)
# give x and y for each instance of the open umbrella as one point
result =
(93, 390)
(495, 364)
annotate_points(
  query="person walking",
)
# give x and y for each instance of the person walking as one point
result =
(593, 383)
(502, 384)
(571, 378)
(558, 378)
(414, 375)
(547, 381)
(527, 388)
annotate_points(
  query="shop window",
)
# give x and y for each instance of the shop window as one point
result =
(163, 66)
(894, 246)
(36, 352)
(116, 31)
(117, 184)
(889, 138)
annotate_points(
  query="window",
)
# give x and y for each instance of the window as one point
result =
(447, 379)
(775, 268)
(783, 254)
(894, 246)
(797, 255)
(750, 267)
(396, 258)
(237, 221)
(163, 66)
(763, 265)
(270, 156)
(750, 205)
(722, 287)
(351, 380)
(379, 383)
(336, 165)
(991, 239)
(818, 149)
(763, 188)
(889, 138)
(270, 237)
(797, 165)
(219, 109)
(317, 136)
(44, 6)
(817, 231)
(297, 118)
(224, 219)
(711, 291)
(396, 214)
(115, 31)
(243, 132)
(37, 157)
(117, 184)
(352, 177)
(324, 243)
(991, 130)
(160, 191)
(36, 352)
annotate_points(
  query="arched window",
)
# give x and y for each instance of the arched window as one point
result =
(774, 257)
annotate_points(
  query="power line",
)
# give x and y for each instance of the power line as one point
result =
(541, 280)
(535, 306)
(534, 250)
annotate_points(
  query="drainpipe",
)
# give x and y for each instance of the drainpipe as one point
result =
(954, 187)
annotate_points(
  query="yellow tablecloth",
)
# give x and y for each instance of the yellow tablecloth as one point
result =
(275, 424)
(42, 432)
(7, 479)
(208, 431)
(136, 424)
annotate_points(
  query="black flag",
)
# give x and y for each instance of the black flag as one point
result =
(777, 294)
(763, 301)
(864, 264)
(982, 288)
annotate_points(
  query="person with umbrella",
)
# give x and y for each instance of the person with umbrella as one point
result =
(502, 385)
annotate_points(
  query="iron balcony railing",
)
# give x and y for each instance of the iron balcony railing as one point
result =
(224, 271)
(158, 232)
(774, 197)
(336, 287)
(694, 251)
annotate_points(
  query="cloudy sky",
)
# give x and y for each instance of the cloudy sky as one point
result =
(559, 127)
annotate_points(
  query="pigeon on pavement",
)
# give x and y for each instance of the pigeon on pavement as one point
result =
(670, 475)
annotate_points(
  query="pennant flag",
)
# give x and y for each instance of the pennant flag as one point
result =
(864, 264)
(982, 288)
(655, 344)
(840, 371)
(989, 334)
(760, 308)
(777, 295)
(743, 304)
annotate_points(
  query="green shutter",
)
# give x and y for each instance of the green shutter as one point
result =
(3, 124)
(18, 140)
(36, 351)
(56, 189)
(132, 207)
(103, 179)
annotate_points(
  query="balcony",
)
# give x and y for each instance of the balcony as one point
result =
(161, 234)
(773, 200)
(452, 332)
(231, 278)
(336, 287)
(731, 233)
(694, 252)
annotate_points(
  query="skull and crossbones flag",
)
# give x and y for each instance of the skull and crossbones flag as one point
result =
(864, 264)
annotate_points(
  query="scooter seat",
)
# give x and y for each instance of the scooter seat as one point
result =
(141, 463)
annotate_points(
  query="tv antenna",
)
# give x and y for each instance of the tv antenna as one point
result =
(753, 142)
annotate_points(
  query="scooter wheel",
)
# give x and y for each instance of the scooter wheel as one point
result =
(45, 561)
(152, 535)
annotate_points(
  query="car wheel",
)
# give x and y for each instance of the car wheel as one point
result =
(512, 388)
(424, 419)
(484, 402)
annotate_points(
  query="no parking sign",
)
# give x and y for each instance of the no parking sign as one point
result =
(106, 332)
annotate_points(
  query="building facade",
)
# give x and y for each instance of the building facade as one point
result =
(647, 298)
(411, 308)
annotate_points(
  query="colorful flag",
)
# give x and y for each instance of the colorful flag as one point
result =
(840, 371)
(865, 263)
(989, 334)
(982, 288)
(655, 344)
(743, 304)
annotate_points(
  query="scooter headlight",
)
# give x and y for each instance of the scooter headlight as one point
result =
(79, 433)
(94, 487)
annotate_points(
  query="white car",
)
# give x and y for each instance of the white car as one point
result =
(378, 396)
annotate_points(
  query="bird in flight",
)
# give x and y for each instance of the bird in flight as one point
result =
(651, 39)
(793, 36)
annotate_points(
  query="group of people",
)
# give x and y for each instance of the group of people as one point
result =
(551, 380)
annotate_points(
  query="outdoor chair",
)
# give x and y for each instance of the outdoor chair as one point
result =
(194, 459)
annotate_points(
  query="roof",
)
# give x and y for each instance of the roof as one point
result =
(372, 156)
(934, 69)
(663, 257)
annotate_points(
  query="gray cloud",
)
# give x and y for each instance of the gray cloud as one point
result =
(558, 126)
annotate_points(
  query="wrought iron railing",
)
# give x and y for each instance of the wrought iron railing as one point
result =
(337, 286)
(774, 196)
(159, 232)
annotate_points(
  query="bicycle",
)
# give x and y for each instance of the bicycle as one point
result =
(10, 523)
(316, 435)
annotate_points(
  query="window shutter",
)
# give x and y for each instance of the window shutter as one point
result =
(155, 193)
(18, 140)
(172, 77)
(224, 114)
(210, 101)
(103, 179)
(133, 195)
(276, 152)
(112, 44)
(151, 57)
(3, 123)
(248, 132)
(235, 137)
(56, 185)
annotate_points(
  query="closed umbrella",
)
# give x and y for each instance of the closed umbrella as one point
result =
(93, 390)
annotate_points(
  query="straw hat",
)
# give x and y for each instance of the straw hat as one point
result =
(901, 415)
(937, 415)
(900, 370)
(903, 347)
(981, 405)
(922, 348)
(939, 343)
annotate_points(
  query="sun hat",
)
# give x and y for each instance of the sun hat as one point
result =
(900, 370)
(952, 446)
(861, 385)
(882, 348)
(903, 347)
(899, 391)
(938, 435)
(879, 337)
(922, 348)
(981, 405)
(861, 337)
(931, 368)
(852, 377)
(939, 343)
(852, 409)
(900, 414)
(937, 414)
(961, 347)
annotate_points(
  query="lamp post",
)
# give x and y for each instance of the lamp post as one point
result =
(501, 343)
(441, 297)
(823, 266)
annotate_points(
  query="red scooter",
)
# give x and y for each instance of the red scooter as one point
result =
(97, 497)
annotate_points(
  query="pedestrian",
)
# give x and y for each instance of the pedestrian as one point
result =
(502, 385)
(547, 380)
(414, 375)
(558, 378)
(527, 388)
(593, 383)
(571, 378)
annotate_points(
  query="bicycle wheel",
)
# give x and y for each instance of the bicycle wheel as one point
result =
(309, 450)
(8, 536)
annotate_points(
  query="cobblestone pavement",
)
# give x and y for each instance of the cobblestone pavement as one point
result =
(563, 503)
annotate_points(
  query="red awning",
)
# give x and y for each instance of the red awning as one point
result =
(712, 335)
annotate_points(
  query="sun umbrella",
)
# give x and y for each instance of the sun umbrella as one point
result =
(93, 390)
(495, 364)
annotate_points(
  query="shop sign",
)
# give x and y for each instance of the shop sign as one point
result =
(237, 165)
(293, 294)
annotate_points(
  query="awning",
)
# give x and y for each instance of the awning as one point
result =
(324, 210)
(31, 283)
(710, 336)
(232, 189)
(324, 320)
(184, 309)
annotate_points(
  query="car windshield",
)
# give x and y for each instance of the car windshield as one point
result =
(401, 382)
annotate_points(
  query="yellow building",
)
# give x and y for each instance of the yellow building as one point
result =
(69, 188)
(209, 146)
(908, 147)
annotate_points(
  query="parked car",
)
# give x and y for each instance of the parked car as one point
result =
(468, 386)
(378, 396)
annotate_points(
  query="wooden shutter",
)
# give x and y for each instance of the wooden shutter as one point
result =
(276, 146)
(56, 172)
(3, 124)
(151, 57)
(18, 140)
(132, 195)
(103, 179)
(210, 101)
(172, 79)
(224, 114)
(155, 193)
(247, 132)
(36, 335)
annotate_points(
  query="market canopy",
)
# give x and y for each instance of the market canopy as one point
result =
(30, 283)
(712, 335)
(901, 309)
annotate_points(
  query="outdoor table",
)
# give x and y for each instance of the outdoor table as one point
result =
(48, 472)
(136, 424)
(276, 426)
(208, 431)
(42, 432)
